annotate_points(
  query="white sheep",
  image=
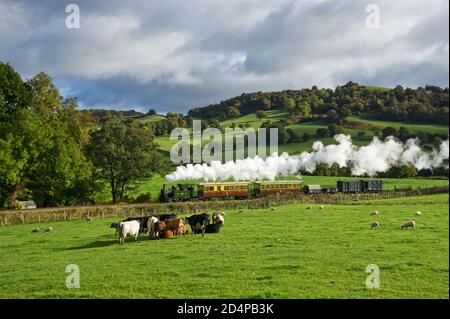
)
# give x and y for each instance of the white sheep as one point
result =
(409, 223)
(419, 213)
(374, 225)
(241, 210)
(374, 213)
(88, 219)
(48, 229)
(273, 208)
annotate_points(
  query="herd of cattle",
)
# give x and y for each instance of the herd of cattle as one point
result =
(168, 225)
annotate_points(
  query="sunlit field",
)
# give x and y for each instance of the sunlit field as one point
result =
(288, 253)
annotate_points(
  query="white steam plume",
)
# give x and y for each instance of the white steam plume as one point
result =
(377, 157)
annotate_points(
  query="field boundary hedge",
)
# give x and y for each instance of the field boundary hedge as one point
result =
(23, 216)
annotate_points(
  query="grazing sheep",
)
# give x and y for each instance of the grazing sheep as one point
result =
(241, 211)
(419, 213)
(374, 213)
(374, 225)
(48, 230)
(36, 230)
(273, 208)
(409, 223)
(88, 219)
(321, 207)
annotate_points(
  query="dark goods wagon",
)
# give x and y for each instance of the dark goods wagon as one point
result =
(360, 186)
(349, 186)
(372, 186)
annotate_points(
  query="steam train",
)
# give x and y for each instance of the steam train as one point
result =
(246, 190)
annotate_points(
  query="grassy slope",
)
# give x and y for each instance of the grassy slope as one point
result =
(322, 254)
(414, 127)
(311, 127)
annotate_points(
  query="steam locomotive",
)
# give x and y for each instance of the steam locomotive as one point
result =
(246, 190)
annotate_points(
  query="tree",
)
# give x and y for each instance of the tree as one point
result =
(332, 116)
(41, 147)
(322, 132)
(151, 112)
(404, 134)
(260, 114)
(334, 129)
(293, 136)
(233, 112)
(306, 137)
(123, 154)
(14, 93)
(389, 131)
(361, 135)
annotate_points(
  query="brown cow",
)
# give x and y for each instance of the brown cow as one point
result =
(176, 225)
(167, 234)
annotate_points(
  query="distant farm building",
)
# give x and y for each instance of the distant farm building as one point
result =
(27, 204)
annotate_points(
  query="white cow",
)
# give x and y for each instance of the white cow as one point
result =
(219, 218)
(151, 227)
(128, 228)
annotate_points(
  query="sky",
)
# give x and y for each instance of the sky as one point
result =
(173, 55)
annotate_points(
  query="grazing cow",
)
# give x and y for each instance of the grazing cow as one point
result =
(409, 223)
(182, 227)
(143, 221)
(419, 213)
(374, 213)
(131, 228)
(374, 225)
(199, 222)
(211, 228)
(174, 225)
(159, 228)
(151, 227)
(219, 217)
(163, 217)
(167, 234)
(116, 226)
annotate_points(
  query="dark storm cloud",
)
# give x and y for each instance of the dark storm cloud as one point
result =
(173, 55)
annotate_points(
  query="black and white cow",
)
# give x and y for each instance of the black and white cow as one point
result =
(198, 223)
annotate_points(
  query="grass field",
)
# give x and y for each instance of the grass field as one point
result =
(290, 253)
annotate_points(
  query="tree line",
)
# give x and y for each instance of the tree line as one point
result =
(55, 154)
(425, 105)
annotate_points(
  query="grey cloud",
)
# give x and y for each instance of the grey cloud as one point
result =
(176, 54)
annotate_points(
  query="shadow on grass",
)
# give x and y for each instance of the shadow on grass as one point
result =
(105, 243)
